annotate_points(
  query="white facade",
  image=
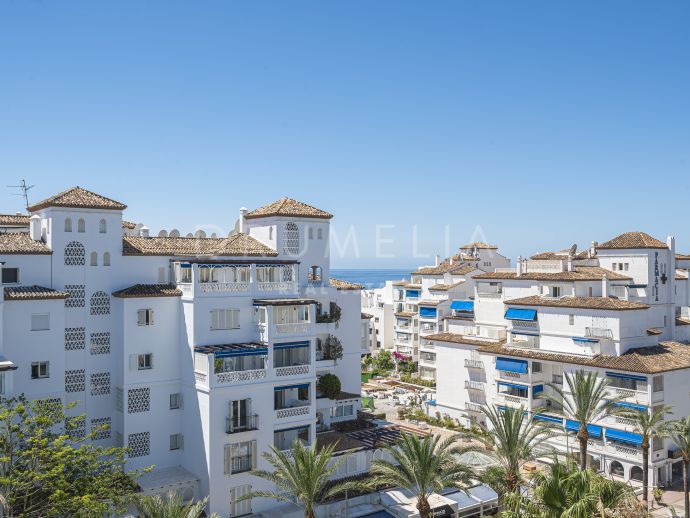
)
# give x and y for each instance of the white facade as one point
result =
(618, 309)
(379, 304)
(199, 353)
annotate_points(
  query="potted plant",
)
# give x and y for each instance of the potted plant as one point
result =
(657, 493)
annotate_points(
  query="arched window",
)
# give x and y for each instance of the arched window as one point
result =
(102, 226)
(81, 225)
(68, 224)
(291, 239)
(617, 469)
(315, 274)
(94, 259)
(106, 259)
(75, 254)
(100, 303)
(319, 233)
(636, 473)
(310, 233)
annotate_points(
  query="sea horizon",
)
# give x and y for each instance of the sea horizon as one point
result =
(371, 278)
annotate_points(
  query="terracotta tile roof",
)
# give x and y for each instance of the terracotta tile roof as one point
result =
(128, 225)
(20, 243)
(430, 302)
(579, 273)
(682, 257)
(555, 256)
(345, 285)
(289, 207)
(457, 268)
(367, 316)
(457, 338)
(14, 220)
(681, 321)
(632, 240)
(76, 197)
(666, 356)
(602, 303)
(478, 245)
(405, 314)
(654, 331)
(445, 287)
(407, 284)
(239, 244)
(148, 290)
(459, 317)
(33, 293)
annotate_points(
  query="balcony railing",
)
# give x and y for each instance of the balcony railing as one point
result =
(214, 287)
(286, 413)
(473, 407)
(292, 370)
(598, 332)
(474, 364)
(490, 295)
(240, 376)
(474, 385)
(241, 464)
(244, 424)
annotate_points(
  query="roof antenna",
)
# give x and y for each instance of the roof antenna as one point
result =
(24, 192)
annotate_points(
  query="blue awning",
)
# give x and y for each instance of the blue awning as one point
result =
(580, 339)
(290, 345)
(592, 429)
(632, 406)
(427, 312)
(536, 390)
(291, 429)
(626, 376)
(550, 418)
(521, 314)
(240, 352)
(621, 436)
(431, 402)
(462, 305)
(522, 333)
(512, 385)
(511, 365)
(287, 387)
(412, 293)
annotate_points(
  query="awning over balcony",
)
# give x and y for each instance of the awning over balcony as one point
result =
(229, 350)
(631, 406)
(522, 333)
(521, 314)
(288, 387)
(290, 345)
(427, 312)
(283, 302)
(512, 385)
(462, 305)
(511, 365)
(301, 427)
(412, 293)
(550, 418)
(625, 376)
(627, 437)
(592, 429)
(582, 340)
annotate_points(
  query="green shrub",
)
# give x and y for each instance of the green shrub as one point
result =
(329, 386)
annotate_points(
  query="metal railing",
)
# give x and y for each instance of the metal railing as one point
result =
(243, 424)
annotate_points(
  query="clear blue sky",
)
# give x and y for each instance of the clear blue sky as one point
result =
(539, 123)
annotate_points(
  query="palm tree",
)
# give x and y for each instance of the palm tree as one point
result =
(171, 507)
(681, 437)
(301, 476)
(588, 402)
(422, 466)
(511, 437)
(649, 425)
(565, 490)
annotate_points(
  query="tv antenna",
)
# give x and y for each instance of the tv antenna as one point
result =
(24, 191)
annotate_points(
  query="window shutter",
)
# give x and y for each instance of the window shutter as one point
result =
(150, 317)
(181, 441)
(180, 400)
(228, 459)
(133, 362)
(141, 317)
(253, 454)
(214, 319)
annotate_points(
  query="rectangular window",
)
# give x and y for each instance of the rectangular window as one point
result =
(557, 379)
(626, 266)
(10, 275)
(40, 322)
(240, 507)
(176, 441)
(239, 457)
(342, 411)
(555, 291)
(225, 319)
(536, 367)
(145, 361)
(40, 370)
(658, 384)
(175, 401)
(571, 320)
(145, 317)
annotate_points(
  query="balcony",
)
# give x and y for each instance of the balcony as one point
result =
(513, 401)
(242, 424)
(474, 364)
(523, 341)
(474, 385)
(293, 412)
(195, 279)
(629, 395)
(473, 407)
(270, 332)
(230, 364)
(598, 332)
(241, 464)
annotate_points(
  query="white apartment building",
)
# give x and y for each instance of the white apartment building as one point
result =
(620, 309)
(378, 303)
(198, 352)
(423, 303)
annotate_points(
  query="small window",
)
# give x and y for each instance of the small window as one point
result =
(175, 401)
(68, 225)
(106, 259)
(145, 361)
(145, 317)
(176, 441)
(589, 292)
(614, 265)
(10, 275)
(626, 266)
(571, 320)
(555, 291)
(557, 379)
(310, 233)
(40, 322)
(162, 275)
(94, 259)
(40, 370)
(225, 319)
(102, 226)
(81, 225)
(536, 367)
(319, 233)
(658, 384)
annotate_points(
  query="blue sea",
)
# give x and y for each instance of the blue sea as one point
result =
(371, 278)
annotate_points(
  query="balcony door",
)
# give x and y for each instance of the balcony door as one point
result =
(240, 410)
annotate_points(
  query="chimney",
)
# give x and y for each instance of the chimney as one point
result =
(17, 213)
(35, 227)
(605, 286)
(243, 215)
(144, 231)
(518, 266)
(592, 249)
(438, 260)
(570, 262)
